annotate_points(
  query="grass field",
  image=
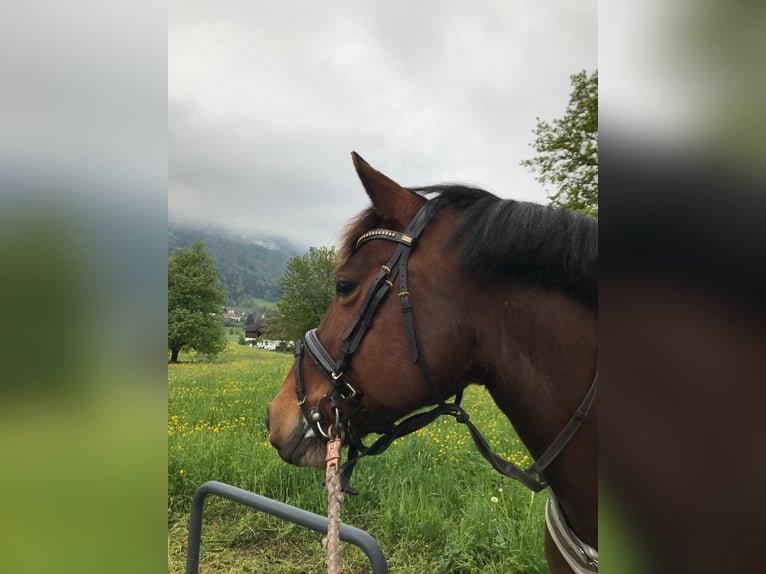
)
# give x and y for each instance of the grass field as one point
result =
(432, 503)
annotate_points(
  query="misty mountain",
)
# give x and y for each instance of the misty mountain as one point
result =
(249, 267)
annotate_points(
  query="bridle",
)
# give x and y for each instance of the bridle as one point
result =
(344, 396)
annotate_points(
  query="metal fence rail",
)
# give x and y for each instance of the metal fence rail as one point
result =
(281, 510)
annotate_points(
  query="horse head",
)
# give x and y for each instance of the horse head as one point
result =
(364, 330)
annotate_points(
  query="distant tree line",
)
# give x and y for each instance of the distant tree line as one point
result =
(247, 270)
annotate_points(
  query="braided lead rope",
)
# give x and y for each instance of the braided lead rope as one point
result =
(334, 503)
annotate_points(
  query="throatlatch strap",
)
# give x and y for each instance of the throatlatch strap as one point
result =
(533, 477)
(567, 432)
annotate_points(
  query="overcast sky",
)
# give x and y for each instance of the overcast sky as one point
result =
(266, 100)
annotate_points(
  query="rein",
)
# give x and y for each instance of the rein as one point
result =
(344, 395)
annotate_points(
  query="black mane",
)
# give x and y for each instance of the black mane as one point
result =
(545, 246)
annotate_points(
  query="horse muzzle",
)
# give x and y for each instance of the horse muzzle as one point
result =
(297, 441)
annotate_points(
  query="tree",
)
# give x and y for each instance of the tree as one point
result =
(306, 290)
(195, 303)
(568, 149)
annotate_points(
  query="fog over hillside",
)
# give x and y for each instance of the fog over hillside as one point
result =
(250, 267)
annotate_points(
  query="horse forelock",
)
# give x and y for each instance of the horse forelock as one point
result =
(364, 221)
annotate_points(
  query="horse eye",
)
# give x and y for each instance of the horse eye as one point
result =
(343, 288)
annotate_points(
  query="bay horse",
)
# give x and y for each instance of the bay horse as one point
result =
(494, 292)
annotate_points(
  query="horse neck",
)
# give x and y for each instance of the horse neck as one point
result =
(538, 350)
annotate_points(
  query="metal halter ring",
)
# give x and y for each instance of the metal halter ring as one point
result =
(330, 426)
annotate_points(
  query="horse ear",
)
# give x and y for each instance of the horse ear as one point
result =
(389, 199)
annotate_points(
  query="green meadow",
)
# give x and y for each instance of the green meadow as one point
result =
(432, 503)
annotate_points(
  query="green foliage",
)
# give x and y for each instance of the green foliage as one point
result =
(307, 289)
(567, 150)
(195, 302)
